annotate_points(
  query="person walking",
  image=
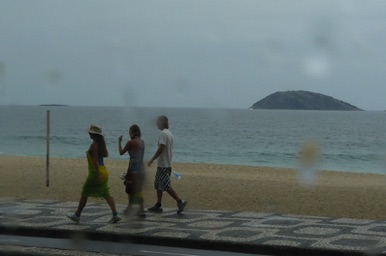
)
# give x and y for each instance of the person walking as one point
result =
(164, 155)
(96, 184)
(135, 174)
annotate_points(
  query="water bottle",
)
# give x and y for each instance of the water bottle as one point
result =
(176, 174)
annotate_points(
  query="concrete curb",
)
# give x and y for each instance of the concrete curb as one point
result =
(177, 242)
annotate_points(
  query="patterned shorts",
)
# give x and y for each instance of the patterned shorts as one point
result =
(162, 179)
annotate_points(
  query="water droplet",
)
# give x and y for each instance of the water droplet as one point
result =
(2, 70)
(309, 157)
(53, 76)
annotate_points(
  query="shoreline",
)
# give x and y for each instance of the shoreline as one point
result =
(210, 187)
(381, 172)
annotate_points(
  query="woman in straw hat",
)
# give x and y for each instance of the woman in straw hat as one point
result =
(96, 184)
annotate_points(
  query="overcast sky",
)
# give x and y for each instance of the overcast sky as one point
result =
(197, 53)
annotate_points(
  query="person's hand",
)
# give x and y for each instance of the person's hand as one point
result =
(149, 163)
(99, 178)
(120, 138)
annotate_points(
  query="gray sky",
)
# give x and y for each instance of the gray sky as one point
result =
(174, 53)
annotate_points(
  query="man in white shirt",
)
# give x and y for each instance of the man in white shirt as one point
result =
(164, 154)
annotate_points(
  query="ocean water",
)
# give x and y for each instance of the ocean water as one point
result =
(348, 141)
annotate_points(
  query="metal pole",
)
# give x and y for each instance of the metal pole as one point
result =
(48, 151)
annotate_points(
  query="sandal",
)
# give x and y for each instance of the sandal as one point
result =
(141, 213)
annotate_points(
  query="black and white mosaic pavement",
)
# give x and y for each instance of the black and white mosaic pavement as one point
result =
(259, 232)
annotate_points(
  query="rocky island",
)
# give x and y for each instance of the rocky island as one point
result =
(302, 100)
(53, 105)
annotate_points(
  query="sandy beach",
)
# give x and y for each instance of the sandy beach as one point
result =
(210, 186)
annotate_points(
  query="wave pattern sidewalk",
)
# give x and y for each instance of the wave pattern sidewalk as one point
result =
(247, 232)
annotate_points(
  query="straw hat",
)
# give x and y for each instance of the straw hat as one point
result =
(95, 129)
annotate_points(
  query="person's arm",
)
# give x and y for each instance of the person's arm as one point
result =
(125, 149)
(161, 148)
(94, 151)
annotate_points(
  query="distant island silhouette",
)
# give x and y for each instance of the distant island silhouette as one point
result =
(53, 105)
(302, 100)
